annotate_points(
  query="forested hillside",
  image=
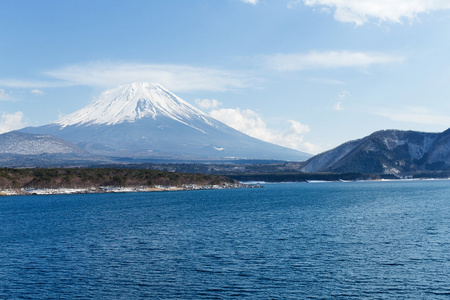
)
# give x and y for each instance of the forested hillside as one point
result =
(78, 178)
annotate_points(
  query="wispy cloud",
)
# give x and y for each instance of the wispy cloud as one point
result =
(173, 77)
(251, 123)
(338, 106)
(24, 83)
(4, 95)
(9, 122)
(341, 95)
(37, 92)
(108, 74)
(208, 103)
(361, 11)
(329, 60)
(251, 1)
(417, 115)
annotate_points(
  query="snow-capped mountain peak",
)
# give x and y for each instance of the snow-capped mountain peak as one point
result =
(143, 121)
(132, 102)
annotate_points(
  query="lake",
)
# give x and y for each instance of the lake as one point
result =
(377, 240)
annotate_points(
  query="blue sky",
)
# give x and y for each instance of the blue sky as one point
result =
(306, 74)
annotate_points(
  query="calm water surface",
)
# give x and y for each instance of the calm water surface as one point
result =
(357, 240)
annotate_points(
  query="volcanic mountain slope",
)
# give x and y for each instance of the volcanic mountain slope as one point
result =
(386, 152)
(18, 149)
(143, 120)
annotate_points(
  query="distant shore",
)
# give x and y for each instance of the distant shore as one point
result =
(116, 189)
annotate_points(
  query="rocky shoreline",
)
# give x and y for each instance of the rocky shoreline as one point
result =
(116, 189)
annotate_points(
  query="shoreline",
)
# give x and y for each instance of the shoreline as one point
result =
(116, 189)
(345, 181)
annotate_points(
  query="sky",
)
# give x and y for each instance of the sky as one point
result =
(305, 74)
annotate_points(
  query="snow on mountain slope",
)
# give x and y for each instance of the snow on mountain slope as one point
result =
(145, 121)
(388, 152)
(33, 144)
(324, 160)
(133, 102)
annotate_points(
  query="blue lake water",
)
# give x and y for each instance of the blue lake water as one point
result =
(377, 240)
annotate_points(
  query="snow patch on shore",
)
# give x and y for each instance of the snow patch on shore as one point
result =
(113, 189)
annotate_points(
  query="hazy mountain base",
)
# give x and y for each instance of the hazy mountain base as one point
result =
(307, 177)
(171, 165)
(277, 171)
(50, 161)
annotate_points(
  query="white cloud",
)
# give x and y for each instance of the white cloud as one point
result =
(37, 92)
(251, 1)
(342, 94)
(297, 127)
(4, 95)
(338, 106)
(173, 77)
(110, 74)
(246, 120)
(9, 122)
(329, 60)
(293, 3)
(361, 11)
(417, 115)
(251, 123)
(207, 103)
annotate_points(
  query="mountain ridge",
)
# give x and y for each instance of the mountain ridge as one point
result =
(36, 144)
(386, 152)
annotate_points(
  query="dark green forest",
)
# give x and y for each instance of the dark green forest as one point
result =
(94, 177)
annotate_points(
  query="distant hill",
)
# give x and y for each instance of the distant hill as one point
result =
(386, 152)
(20, 143)
(18, 149)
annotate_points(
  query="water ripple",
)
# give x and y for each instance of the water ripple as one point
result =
(288, 241)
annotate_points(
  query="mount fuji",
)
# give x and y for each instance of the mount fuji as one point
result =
(145, 121)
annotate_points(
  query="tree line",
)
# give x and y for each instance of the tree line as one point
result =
(89, 177)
